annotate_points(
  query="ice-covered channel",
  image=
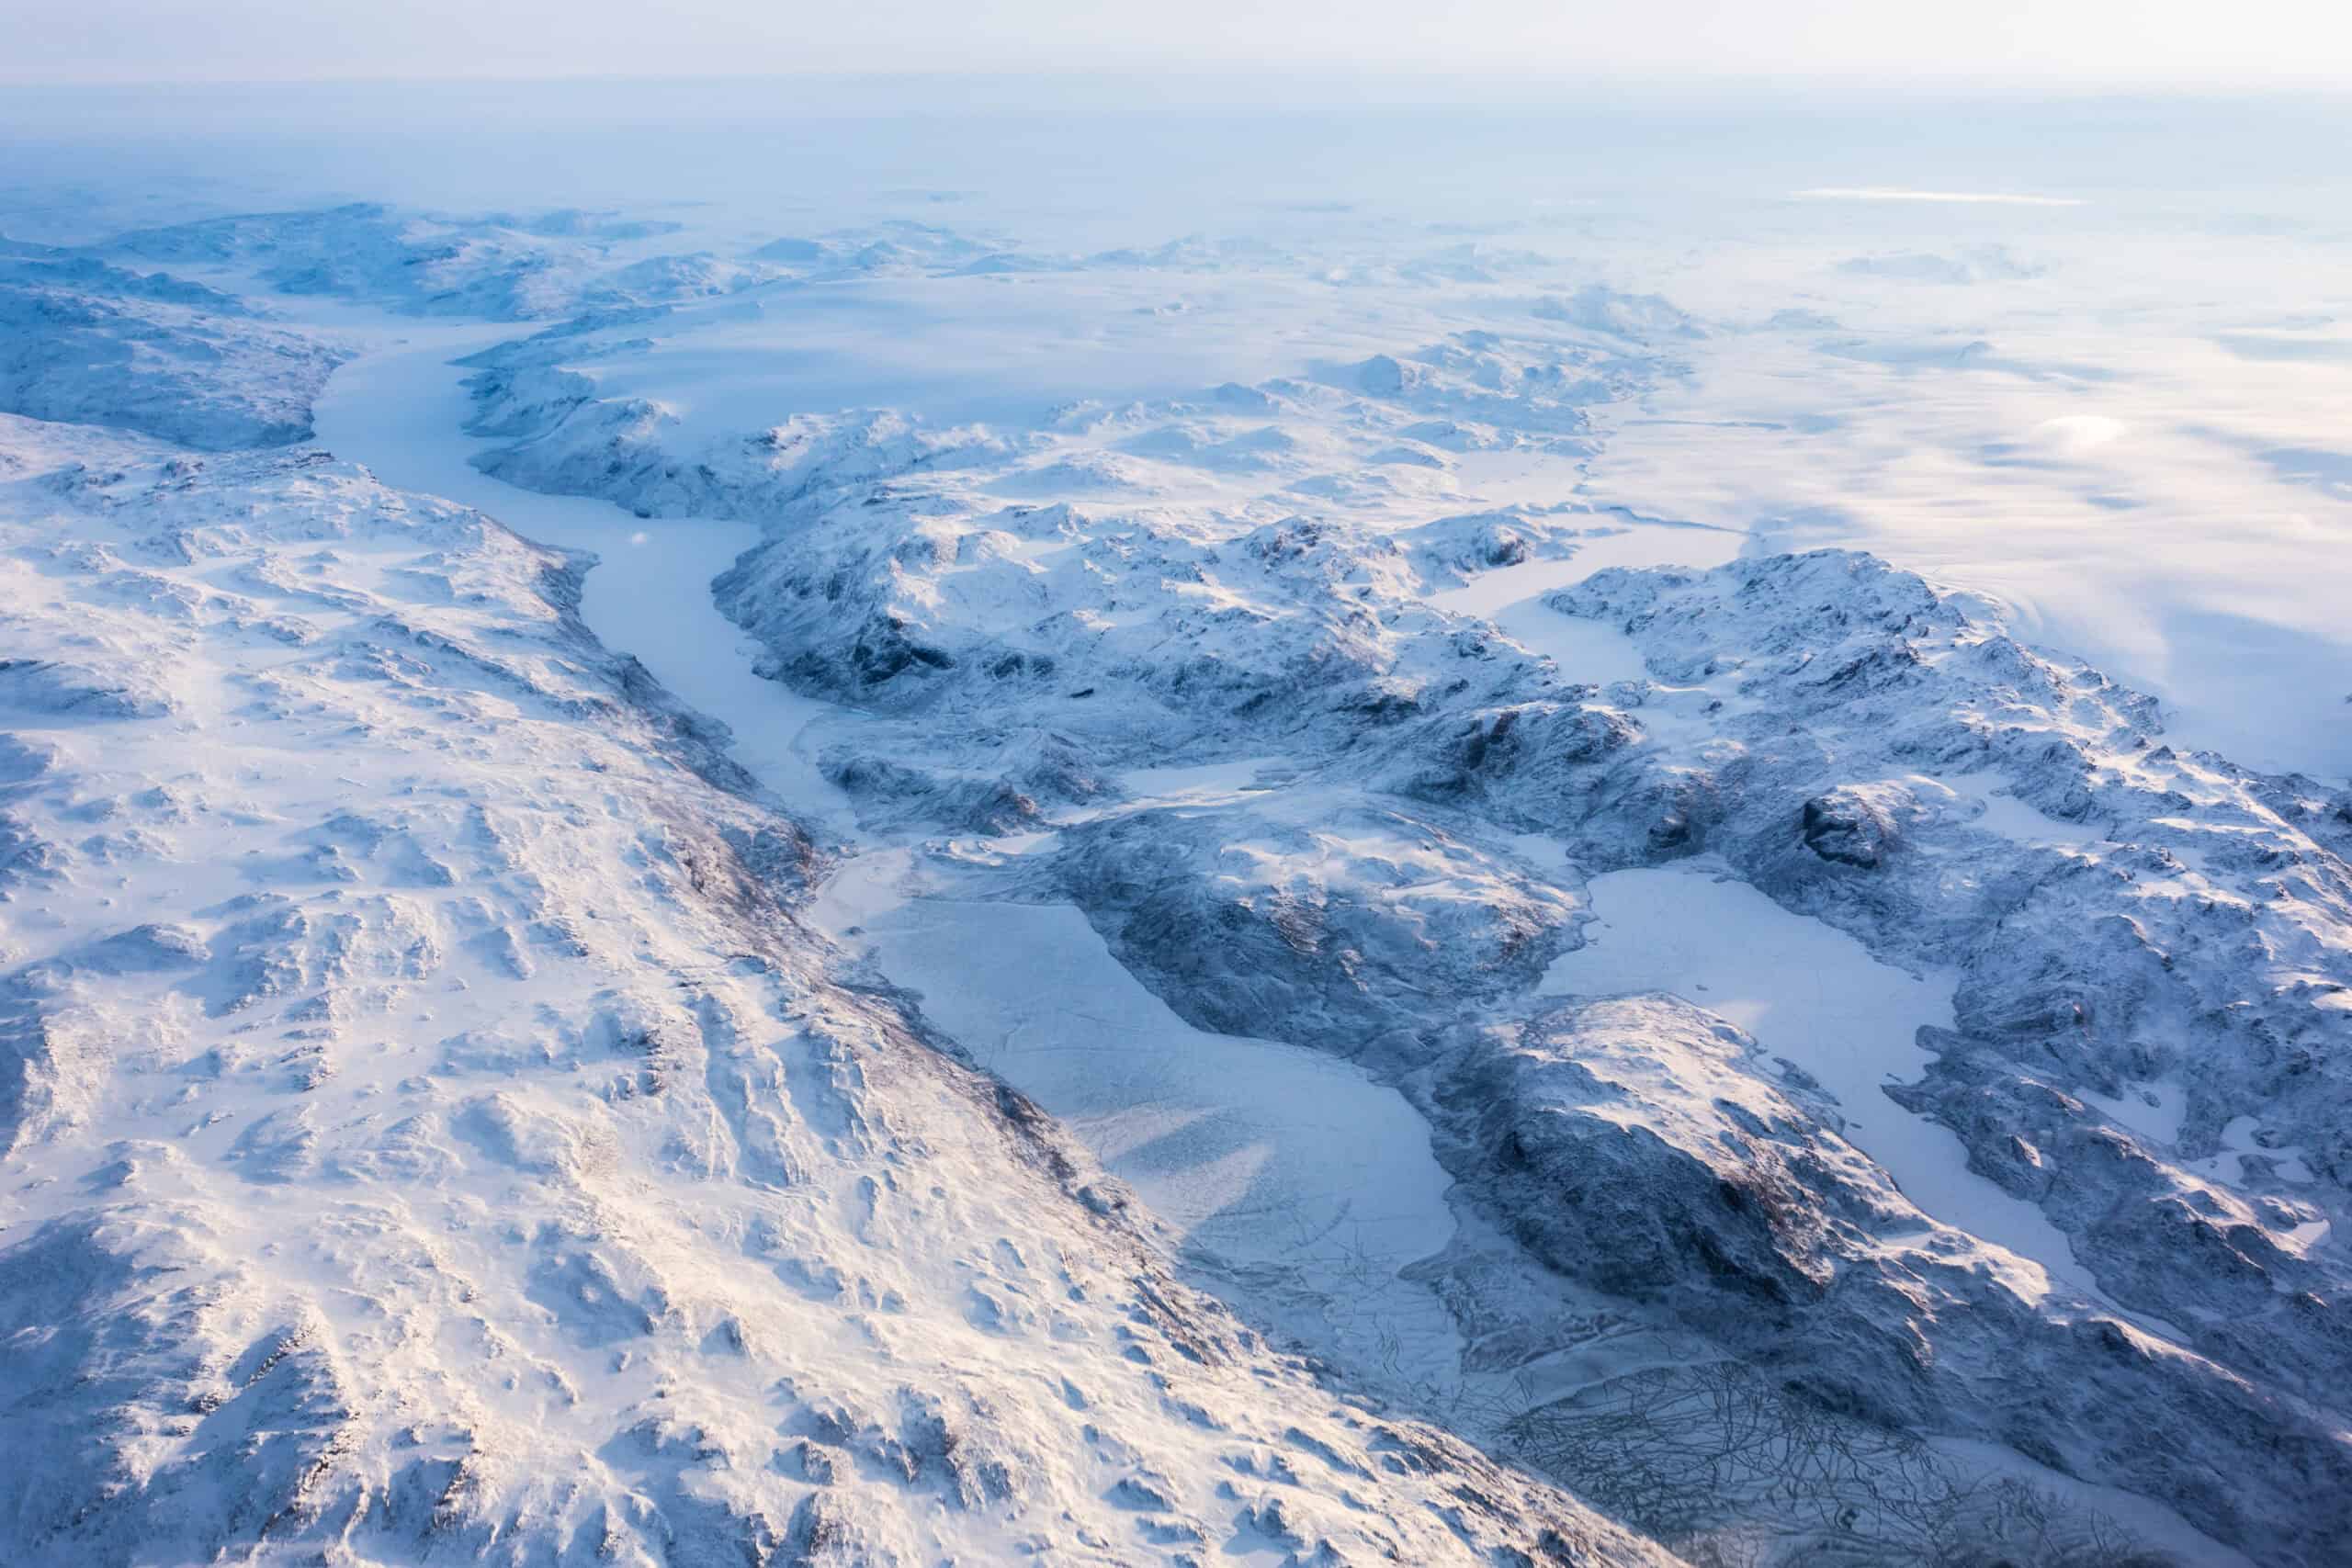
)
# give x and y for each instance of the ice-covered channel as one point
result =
(401, 410)
(1288, 1171)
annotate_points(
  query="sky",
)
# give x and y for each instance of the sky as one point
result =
(2162, 44)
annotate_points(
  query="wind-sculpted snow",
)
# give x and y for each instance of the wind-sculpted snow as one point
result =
(431, 1137)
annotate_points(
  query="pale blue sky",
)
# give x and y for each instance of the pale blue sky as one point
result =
(2187, 43)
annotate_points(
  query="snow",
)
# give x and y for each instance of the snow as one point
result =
(491, 1024)
(1202, 783)
(992, 349)
(464, 1150)
(2132, 496)
(1814, 995)
(1997, 811)
(400, 409)
(1280, 1167)
(2240, 1143)
(1511, 598)
(2154, 1111)
(1262, 1156)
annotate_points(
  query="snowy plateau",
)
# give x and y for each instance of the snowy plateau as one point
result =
(846, 860)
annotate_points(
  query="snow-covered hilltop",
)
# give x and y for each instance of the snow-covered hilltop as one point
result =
(1280, 969)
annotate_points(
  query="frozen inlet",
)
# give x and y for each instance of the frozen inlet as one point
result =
(1814, 995)
(1285, 1170)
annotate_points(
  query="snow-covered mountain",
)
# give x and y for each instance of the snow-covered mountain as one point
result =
(904, 893)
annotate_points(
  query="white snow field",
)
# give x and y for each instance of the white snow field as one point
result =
(740, 832)
(2149, 487)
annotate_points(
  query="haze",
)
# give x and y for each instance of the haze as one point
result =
(2166, 43)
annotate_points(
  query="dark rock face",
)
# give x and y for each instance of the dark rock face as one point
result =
(1844, 832)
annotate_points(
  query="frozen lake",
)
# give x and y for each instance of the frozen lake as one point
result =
(1511, 597)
